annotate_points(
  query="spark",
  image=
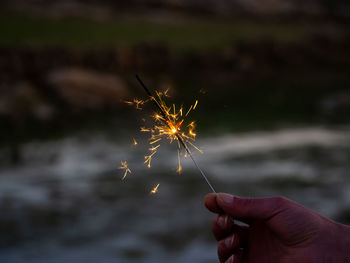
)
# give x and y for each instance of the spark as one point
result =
(134, 143)
(169, 124)
(203, 91)
(157, 140)
(179, 166)
(124, 166)
(148, 158)
(135, 102)
(152, 149)
(154, 190)
(144, 129)
(195, 105)
(189, 111)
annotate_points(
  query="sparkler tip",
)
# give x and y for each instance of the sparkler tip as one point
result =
(168, 124)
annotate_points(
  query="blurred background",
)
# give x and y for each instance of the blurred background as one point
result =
(273, 82)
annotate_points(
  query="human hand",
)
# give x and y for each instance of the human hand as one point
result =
(278, 231)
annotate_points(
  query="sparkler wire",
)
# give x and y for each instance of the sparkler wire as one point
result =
(202, 173)
(177, 135)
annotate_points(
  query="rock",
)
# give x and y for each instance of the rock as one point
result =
(22, 101)
(336, 103)
(86, 89)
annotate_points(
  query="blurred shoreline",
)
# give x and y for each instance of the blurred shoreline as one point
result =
(43, 87)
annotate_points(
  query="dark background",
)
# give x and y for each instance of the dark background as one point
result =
(273, 82)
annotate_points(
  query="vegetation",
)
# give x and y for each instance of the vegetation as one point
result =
(181, 34)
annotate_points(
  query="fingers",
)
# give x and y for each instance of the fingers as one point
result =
(234, 259)
(231, 238)
(228, 249)
(224, 226)
(211, 203)
(246, 209)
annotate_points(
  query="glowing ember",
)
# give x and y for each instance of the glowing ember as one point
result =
(124, 166)
(136, 102)
(154, 190)
(195, 105)
(134, 143)
(148, 158)
(179, 166)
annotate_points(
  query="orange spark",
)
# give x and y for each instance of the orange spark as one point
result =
(169, 124)
(148, 158)
(154, 190)
(189, 111)
(138, 103)
(124, 166)
(179, 167)
(143, 129)
(195, 105)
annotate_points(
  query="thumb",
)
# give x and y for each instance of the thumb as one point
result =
(248, 209)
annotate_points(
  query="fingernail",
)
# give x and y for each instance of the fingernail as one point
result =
(231, 259)
(222, 221)
(229, 241)
(226, 199)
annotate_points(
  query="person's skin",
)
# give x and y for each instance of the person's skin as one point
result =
(278, 231)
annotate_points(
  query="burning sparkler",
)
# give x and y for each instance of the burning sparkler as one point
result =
(169, 124)
(124, 166)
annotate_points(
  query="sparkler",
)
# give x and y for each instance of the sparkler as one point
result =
(169, 124)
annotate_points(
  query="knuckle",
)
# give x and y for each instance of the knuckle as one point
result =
(226, 247)
(214, 222)
(280, 201)
(221, 248)
(246, 205)
(231, 259)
